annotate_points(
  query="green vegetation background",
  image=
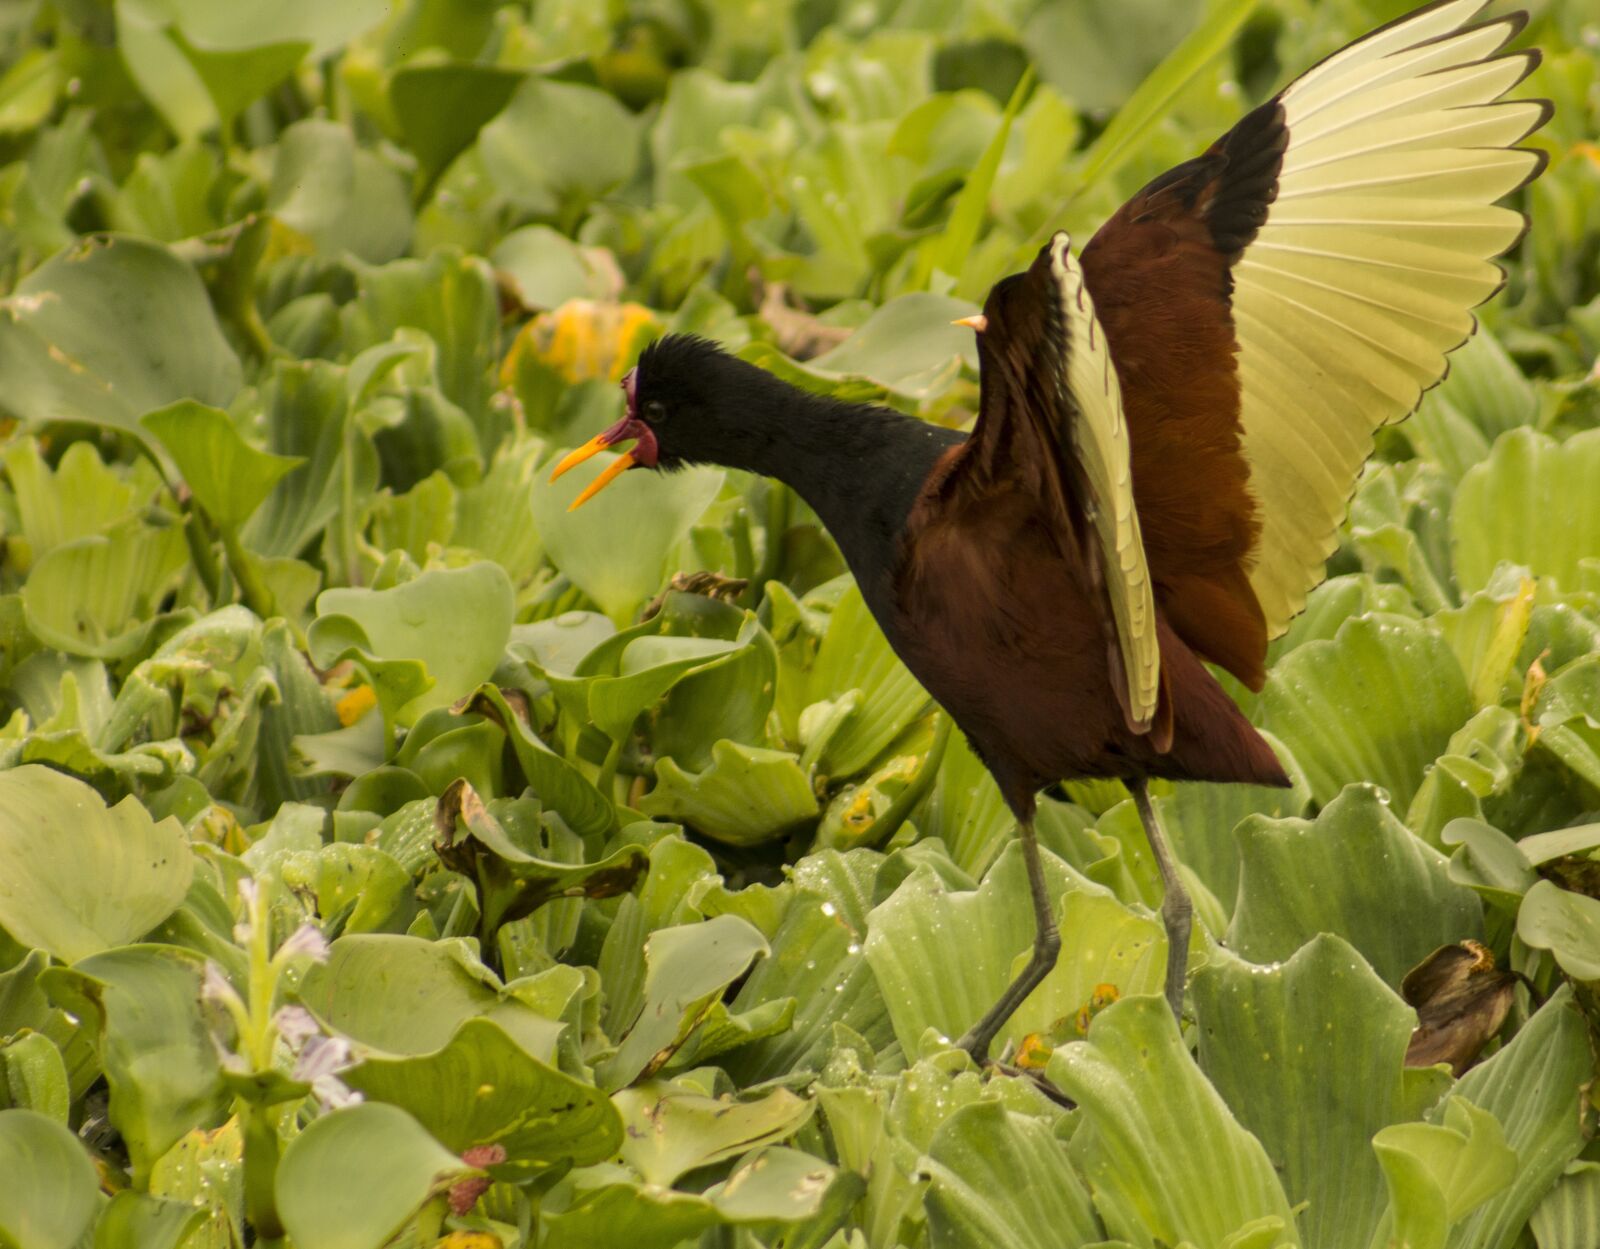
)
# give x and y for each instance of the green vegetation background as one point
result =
(342, 763)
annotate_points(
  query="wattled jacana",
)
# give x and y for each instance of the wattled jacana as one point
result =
(1169, 430)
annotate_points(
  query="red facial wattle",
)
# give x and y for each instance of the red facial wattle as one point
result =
(645, 451)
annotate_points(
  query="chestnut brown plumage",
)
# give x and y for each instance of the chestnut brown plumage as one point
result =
(1169, 429)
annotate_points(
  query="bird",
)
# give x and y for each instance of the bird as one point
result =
(1169, 429)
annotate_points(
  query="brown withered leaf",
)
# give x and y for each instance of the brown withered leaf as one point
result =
(1461, 999)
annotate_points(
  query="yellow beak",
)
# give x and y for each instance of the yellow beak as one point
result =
(598, 443)
(977, 321)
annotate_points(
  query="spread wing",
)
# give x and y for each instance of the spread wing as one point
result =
(1332, 245)
(1053, 417)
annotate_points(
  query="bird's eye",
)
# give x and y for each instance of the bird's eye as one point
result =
(655, 411)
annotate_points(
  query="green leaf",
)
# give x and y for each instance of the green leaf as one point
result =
(236, 77)
(907, 346)
(854, 655)
(138, 1219)
(355, 1177)
(1152, 100)
(941, 959)
(1356, 871)
(1570, 1212)
(1158, 1147)
(99, 596)
(77, 877)
(441, 108)
(79, 498)
(1503, 508)
(227, 476)
(949, 252)
(51, 1189)
(143, 1002)
(34, 1076)
(1377, 703)
(670, 1131)
(605, 1205)
(655, 510)
(1001, 1178)
(746, 796)
(1437, 1173)
(558, 145)
(817, 962)
(687, 968)
(108, 330)
(1565, 923)
(455, 621)
(539, 1115)
(557, 784)
(1310, 1057)
(546, 267)
(403, 996)
(1535, 1087)
(342, 197)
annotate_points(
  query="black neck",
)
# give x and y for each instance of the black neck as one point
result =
(859, 466)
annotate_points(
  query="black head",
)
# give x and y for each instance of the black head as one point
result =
(690, 402)
(694, 401)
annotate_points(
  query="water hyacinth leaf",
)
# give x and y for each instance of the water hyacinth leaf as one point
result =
(1486, 634)
(441, 108)
(98, 596)
(353, 1178)
(941, 958)
(775, 1187)
(1200, 819)
(1565, 923)
(148, 1222)
(964, 809)
(404, 996)
(557, 784)
(746, 796)
(546, 268)
(647, 668)
(454, 620)
(687, 967)
(540, 1116)
(227, 476)
(449, 297)
(1571, 1211)
(558, 145)
(344, 199)
(1158, 1147)
(1438, 1172)
(1532, 1087)
(1356, 871)
(854, 655)
(655, 511)
(1002, 1178)
(33, 1075)
(51, 1186)
(77, 498)
(817, 962)
(908, 346)
(360, 887)
(1310, 1057)
(109, 330)
(77, 877)
(1504, 505)
(670, 1131)
(492, 843)
(1376, 703)
(143, 1002)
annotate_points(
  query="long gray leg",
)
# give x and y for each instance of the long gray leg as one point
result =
(1177, 911)
(1046, 948)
